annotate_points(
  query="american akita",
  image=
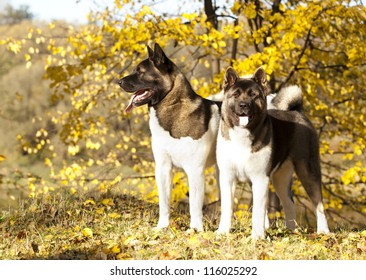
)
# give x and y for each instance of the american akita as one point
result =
(258, 144)
(183, 126)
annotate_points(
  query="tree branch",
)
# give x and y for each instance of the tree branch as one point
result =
(234, 49)
(211, 13)
(295, 68)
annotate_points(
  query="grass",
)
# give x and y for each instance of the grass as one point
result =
(65, 226)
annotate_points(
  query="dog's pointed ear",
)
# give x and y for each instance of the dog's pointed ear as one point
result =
(159, 56)
(150, 52)
(230, 78)
(260, 77)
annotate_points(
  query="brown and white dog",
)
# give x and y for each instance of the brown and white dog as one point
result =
(258, 144)
(183, 127)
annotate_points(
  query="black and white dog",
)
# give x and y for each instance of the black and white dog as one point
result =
(258, 144)
(183, 125)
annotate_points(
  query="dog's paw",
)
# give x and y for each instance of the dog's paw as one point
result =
(323, 230)
(161, 225)
(196, 227)
(257, 236)
(222, 231)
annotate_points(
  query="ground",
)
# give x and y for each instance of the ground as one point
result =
(65, 226)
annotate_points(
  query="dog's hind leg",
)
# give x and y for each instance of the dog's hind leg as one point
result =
(196, 181)
(310, 176)
(281, 180)
(163, 177)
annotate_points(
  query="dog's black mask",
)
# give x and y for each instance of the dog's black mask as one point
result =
(150, 81)
(245, 98)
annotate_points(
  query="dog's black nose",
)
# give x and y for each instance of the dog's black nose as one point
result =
(243, 105)
(120, 82)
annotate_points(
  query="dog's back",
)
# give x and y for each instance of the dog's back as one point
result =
(293, 137)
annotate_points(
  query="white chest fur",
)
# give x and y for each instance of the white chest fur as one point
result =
(236, 160)
(236, 157)
(184, 152)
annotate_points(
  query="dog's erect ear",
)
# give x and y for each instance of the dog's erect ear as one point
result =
(159, 56)
(150, 52)
(260, 77)
(230, 78)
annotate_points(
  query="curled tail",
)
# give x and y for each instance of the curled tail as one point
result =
(287, 99)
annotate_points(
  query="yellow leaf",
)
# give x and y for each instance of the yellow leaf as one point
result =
(236, 7)
(118, 4)
(250, 11)
(128, 240)
(2, 158)
(222, 44)
(89, 202)
(114, 215)
(123, 256)
(146, 10)
(108, 202)
(116, 249)
(14, 47)
(189, 17)
(49, 237)
(87, 232)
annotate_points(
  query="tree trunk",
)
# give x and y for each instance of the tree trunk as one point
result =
(210, 10)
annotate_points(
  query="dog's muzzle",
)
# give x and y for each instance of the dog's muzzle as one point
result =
(243, 113)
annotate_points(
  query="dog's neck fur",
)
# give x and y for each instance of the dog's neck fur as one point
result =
(260, 132)
(182, 112)
(180, 91)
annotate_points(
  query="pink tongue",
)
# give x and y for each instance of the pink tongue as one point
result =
(243, 121)
(130, 104)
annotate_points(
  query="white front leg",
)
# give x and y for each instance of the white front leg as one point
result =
(196, 181)
(163, 177)
(227, 190)
(260, 197)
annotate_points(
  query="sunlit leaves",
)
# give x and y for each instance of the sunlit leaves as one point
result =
(15, 46)
(69, 228)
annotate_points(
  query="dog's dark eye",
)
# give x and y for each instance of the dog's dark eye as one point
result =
(139, 70)
(236, 94)
(251, 93)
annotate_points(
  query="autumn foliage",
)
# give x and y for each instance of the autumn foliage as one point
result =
(87, 143)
